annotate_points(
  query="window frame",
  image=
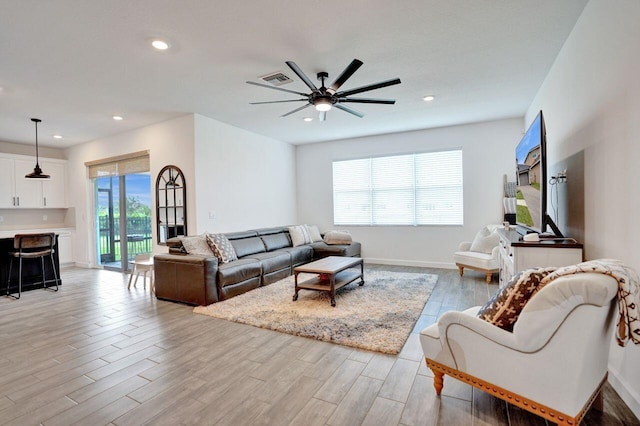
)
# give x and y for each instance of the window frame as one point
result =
(415, 188)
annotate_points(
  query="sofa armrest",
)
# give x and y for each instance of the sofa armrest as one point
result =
(186, 278)
(449, 321)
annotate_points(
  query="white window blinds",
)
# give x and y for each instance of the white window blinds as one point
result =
(415, 189)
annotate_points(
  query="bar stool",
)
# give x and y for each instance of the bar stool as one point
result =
(142, 263)
(32, 246)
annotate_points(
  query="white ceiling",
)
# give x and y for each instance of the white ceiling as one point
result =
(76, 63)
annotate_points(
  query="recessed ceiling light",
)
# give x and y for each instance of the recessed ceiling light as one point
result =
(118, 117)
(308, 119)
(428, 98)
(160, 44)
(57, 136)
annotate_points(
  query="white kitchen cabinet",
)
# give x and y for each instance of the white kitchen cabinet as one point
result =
(7, 188)
(28, 192)
(65, 249)
(16, 191)
(54, 190)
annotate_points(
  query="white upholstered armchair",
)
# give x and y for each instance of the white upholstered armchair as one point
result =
(480, 254)
(553, 364)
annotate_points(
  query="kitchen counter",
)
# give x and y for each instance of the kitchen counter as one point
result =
(10, 233)
(31, 272)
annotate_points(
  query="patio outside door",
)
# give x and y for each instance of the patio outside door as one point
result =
(123, 219)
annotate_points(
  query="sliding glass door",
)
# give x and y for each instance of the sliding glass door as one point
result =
(123, 218)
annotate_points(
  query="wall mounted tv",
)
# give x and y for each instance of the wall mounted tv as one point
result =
(531, 180)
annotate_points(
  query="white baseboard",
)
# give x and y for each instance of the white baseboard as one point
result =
(628, 395)
(417, 263)
(86, 265)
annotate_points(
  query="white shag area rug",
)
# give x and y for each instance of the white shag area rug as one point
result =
(378, 316)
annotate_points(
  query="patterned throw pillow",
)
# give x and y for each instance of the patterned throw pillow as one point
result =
(222, 248)
(196, 245)
(299, 235)
(503, 309)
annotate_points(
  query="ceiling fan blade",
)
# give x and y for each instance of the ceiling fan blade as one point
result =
(368, 101)
(349, 110)
(302, 75)
(323, 115)
(348, 72)
(277, 88)
(296, 110)
(277, 102)
(368, 87)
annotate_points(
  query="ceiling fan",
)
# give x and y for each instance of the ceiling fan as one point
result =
(323, 98)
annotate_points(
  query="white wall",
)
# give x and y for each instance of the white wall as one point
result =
(245, 180)
(169, 142)
(592, 106)
(488, 154)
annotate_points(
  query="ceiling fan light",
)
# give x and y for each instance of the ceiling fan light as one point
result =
(323, 105)
(160, 44)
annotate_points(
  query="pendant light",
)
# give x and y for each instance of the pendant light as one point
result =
(37, 171)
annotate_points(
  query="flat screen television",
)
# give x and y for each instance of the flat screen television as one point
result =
(531, 180)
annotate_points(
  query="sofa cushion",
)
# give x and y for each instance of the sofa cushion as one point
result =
(197, 244)
(314, 233)
(269, 231)
(323, 249)
(299, 235)
(238, 271)
(300, 254)
(338, 237)
(222, 248)
(272, 261)
(504, 308)
(275, 241)
(242, 234)
(247, 246)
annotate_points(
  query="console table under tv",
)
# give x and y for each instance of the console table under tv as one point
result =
(517, 255)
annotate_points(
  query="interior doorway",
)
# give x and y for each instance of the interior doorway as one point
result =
(123, 219)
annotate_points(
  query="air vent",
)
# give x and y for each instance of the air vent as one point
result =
(277, 78)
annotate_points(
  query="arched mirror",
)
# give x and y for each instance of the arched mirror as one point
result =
(171, 206)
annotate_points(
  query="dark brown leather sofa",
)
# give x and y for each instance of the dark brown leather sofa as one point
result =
(264, 257)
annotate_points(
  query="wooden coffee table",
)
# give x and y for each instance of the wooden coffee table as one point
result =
(333, 273)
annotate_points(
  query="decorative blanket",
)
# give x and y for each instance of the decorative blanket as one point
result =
(628, 293)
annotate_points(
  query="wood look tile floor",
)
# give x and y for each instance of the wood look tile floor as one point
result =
(96, 353)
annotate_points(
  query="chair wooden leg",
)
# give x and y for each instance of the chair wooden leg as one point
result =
(489, 277)
(438, 381)
(461, 269)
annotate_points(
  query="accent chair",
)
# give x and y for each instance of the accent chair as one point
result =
(553, 364)
(480, 254)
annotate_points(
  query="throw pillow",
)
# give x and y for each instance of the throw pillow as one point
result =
(314, 233)
(485, 241)
(299, 235)
(504, 308)
(196, 245)
(338, 237)
(222, 248)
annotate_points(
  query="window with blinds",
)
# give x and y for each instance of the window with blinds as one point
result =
(415, 189)
(136, 162)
